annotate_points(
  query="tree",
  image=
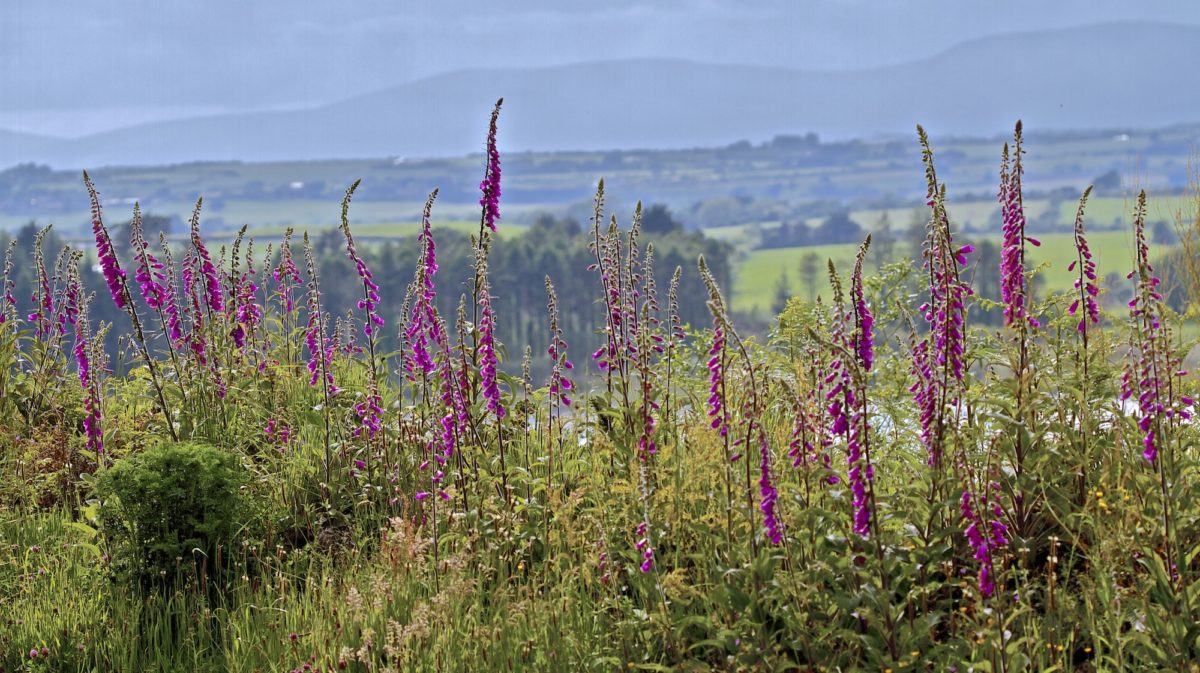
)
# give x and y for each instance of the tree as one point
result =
(883, 241)
(657, 219)
(783, 292)
(809, 265)
(837, 228)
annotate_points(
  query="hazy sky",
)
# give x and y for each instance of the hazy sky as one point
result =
(70, 67)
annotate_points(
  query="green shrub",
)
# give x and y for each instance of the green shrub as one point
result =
(169, 506)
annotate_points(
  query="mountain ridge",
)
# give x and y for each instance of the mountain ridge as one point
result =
(976, 87)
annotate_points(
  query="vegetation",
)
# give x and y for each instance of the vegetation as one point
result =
(906, 475)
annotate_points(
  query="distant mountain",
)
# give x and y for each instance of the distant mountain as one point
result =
(1101, 76)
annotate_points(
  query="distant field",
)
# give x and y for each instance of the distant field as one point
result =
(758, 272)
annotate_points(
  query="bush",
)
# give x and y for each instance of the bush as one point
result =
(170, 504)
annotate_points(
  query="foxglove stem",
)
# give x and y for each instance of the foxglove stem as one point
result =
(149, 272)
(320, 362)
(1086, 282)
(421, 332)
(370, 410)
(985, 532)
(939, 360)
(560, 386)
(115, 279)
(490, 186)
(752, 409)
(43, 298)
(248, 313)
(89, 380)
(1013, 288)
(767, 492)
(286, 274)
(213, 298)
(488, 362)
(8, 302)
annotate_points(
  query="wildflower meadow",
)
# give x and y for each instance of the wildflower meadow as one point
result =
(241, 473)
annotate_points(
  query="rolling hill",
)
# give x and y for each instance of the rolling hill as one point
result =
(1112, 75)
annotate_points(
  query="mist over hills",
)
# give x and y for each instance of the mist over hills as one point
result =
(1113, 75)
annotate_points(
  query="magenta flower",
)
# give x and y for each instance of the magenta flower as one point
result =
(248, 313)
(110, 268)
(643, 545)
(560, 385)
(490, 186)
(91, 388)
(1152, 364)
(213, 297)
(369, 304)
(716, 377)
(286, 274)
(369, 410)
(1013, 290)
(420, 332)
(1086, 282)
(985, 536)
(864, 335)
(149, 271)
(939, 360)
(487, 345)
(8, 302)
(320, 348)
(767, 492)
(42, 297)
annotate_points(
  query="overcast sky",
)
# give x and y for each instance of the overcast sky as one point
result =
(70, 67)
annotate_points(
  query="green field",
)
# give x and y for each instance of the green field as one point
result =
(759, 271)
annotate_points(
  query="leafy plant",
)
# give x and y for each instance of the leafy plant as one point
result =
(172, 504)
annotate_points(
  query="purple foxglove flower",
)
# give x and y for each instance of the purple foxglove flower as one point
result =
(110, 268)
(490, 186)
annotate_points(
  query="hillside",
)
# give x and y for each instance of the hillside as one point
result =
(972, 88)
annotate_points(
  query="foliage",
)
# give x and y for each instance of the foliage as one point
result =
(171, 504)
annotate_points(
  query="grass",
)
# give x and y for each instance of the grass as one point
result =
(758, 272)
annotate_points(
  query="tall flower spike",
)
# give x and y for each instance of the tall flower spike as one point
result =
(861, 471)
(171, 307)
(1152, 364)
(985, 532)
(767, 493)
(320, 348)
(939, 360)
(248, 312)
(149, 271)
(8, 302)
(1014, 291)
(369, 304)
(114, 276)
(488, 363)
(718, 410)
(286, 274)
(213, 296)
(421, 330)
(42, 297)
(864, 334)
(370, 409)
(490, 186)
(1086, 282)
(88, 380)
(560, 386)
